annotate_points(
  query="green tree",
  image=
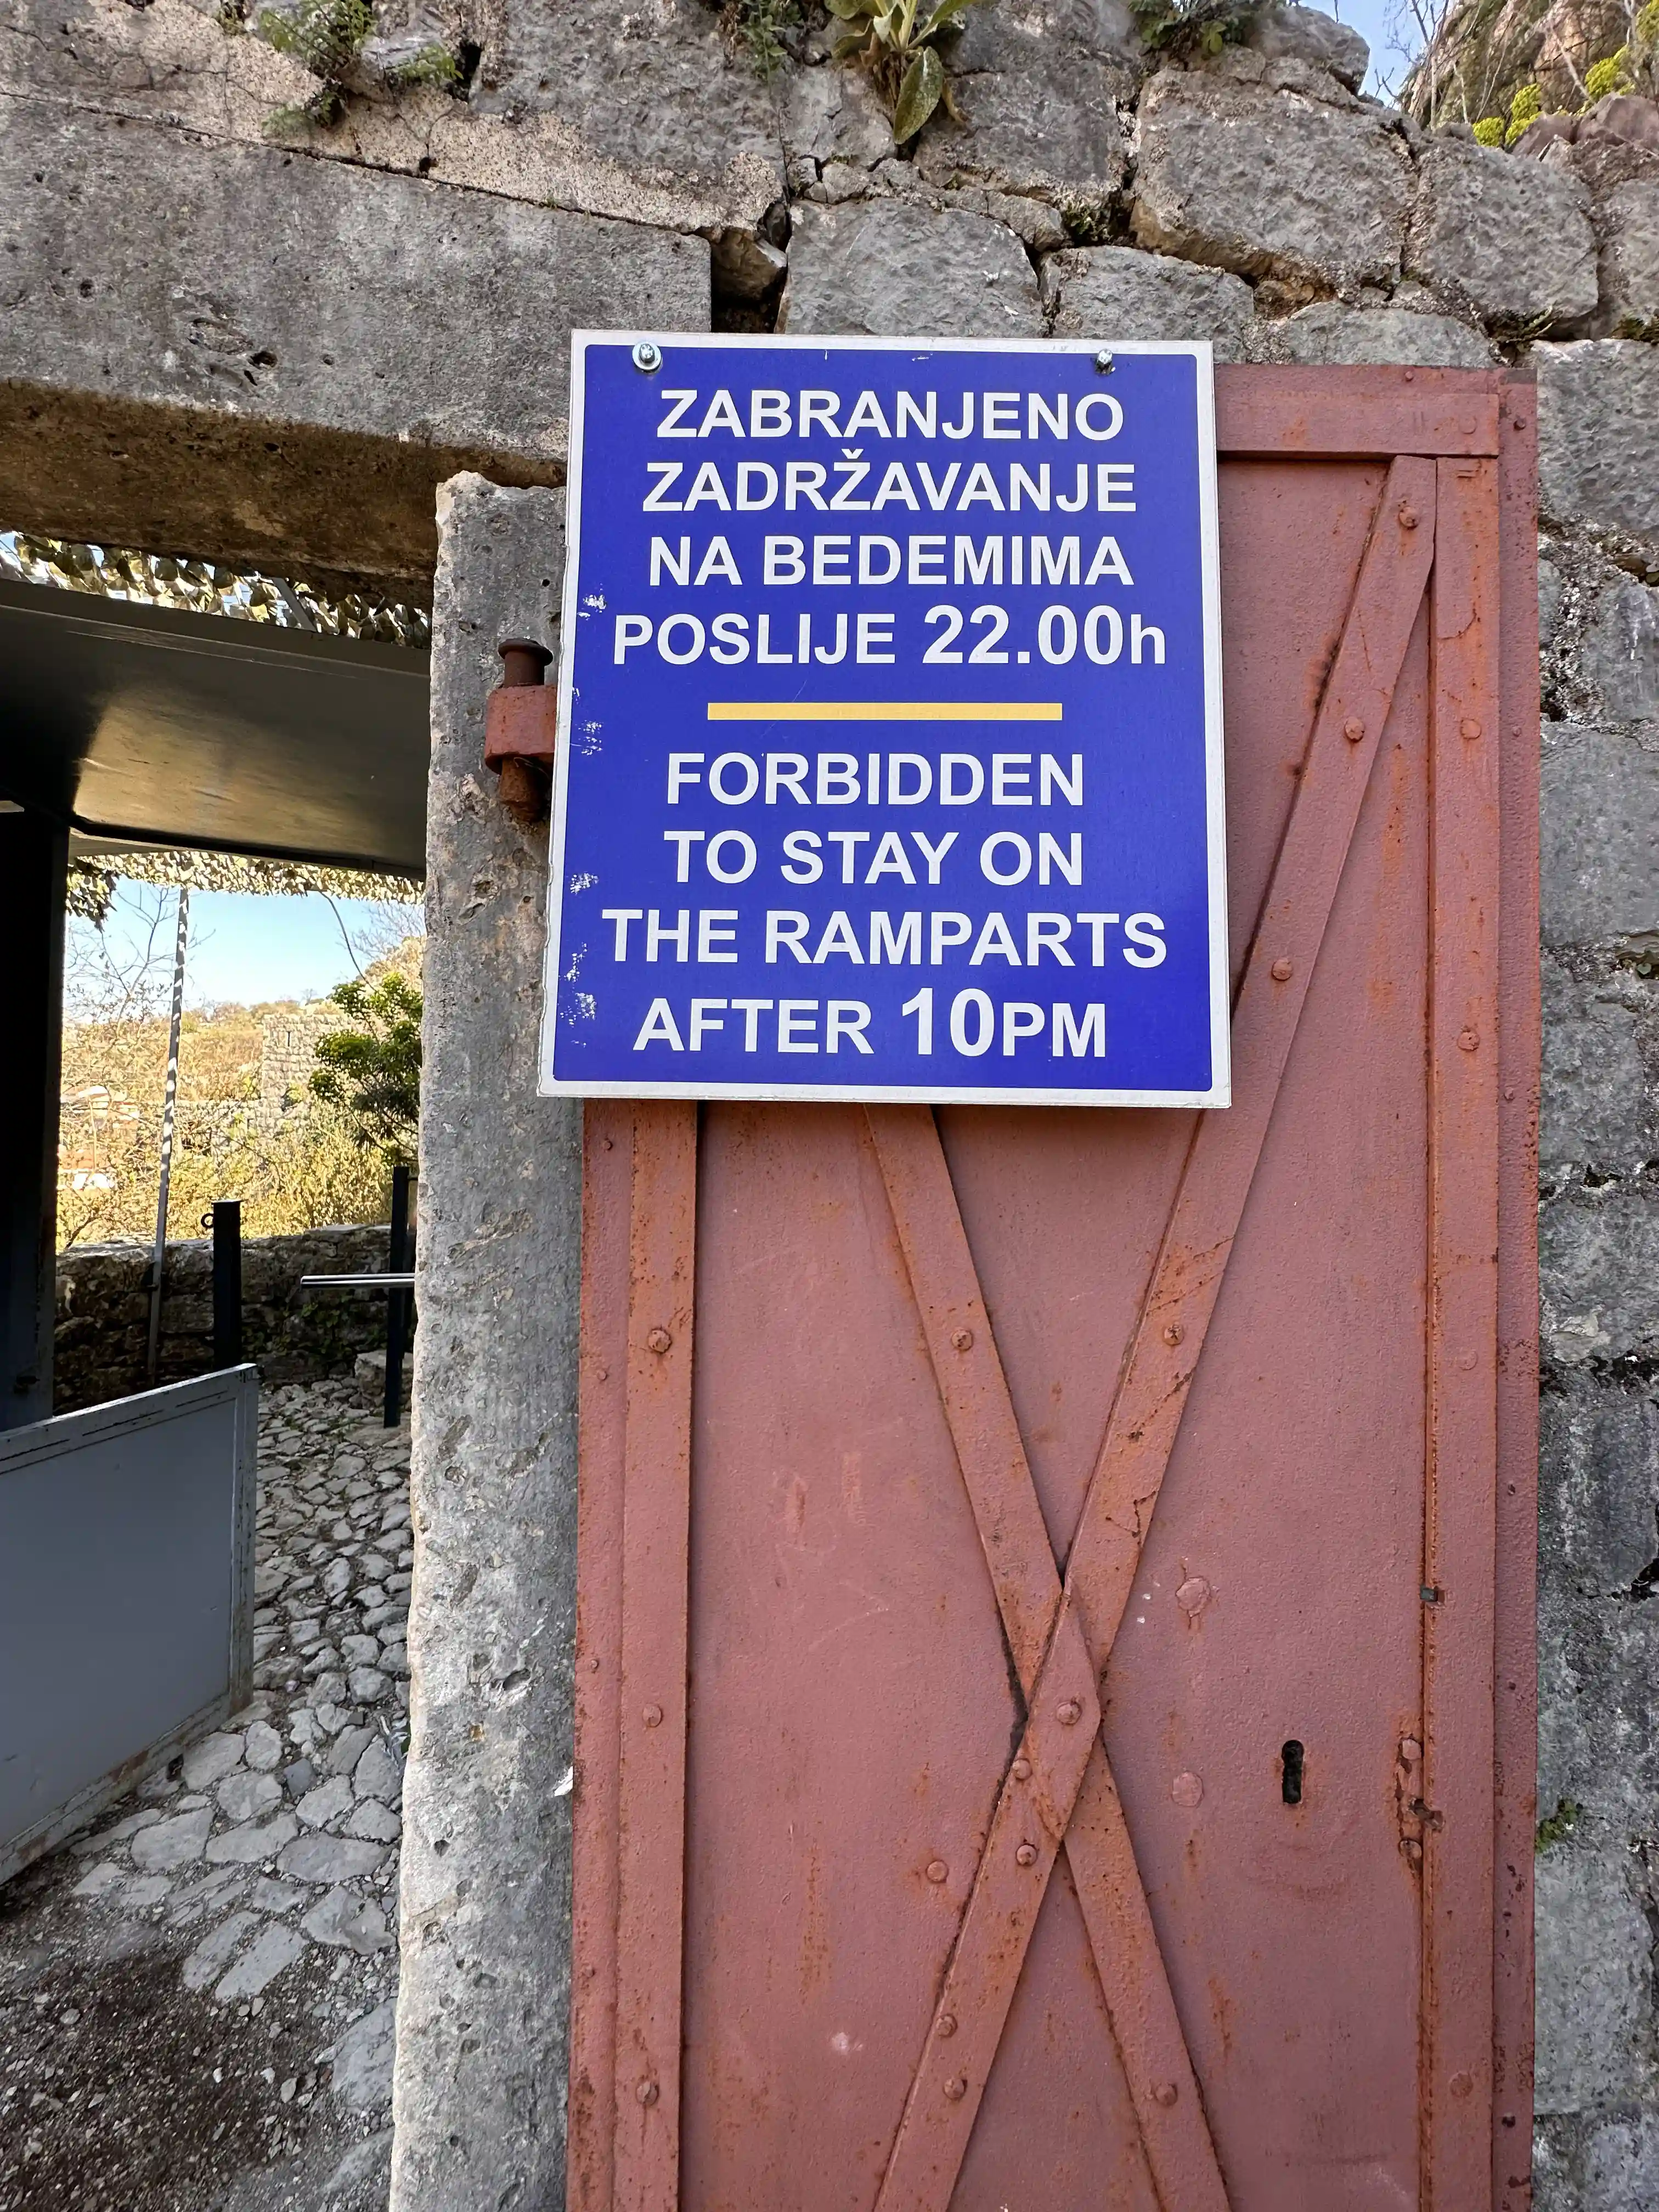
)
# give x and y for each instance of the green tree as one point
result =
(372, 1068)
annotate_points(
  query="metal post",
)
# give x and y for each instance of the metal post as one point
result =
(33, 860)
(227, 1221)
(397, 1302)
(152, 1354)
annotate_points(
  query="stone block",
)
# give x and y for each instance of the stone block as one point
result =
(1329, 334)
(348, 1923)
(1599, 832)
(329, 1858)
(1038, 227)
(1598, 435)
(1510, 239)
(893, 268)
(1037, 82)
(368, 1373)
(249, 1845)
(1599, 1107)
(378, 1774)
(211, 1760)
(100, 1880)
(832, 114)
(272, 1951)
(249, 1796)
(1597, 1655)
(655, 90)
(1619, 653)
(1270, 185)
(1115, 292)
(207, 1961)
(484, 1870)
(168, 63)
(1605, 2164)
(1598, 1263)
(172, 1844)
(649, 114)
(329, 1801)
(1595, 1977)
(1630, 259)
(166, 381)
(360, 2076)
(1294, 34)
(1599, 1488)
(375, 1821)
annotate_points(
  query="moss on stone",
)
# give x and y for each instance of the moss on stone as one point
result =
(1559, 1826)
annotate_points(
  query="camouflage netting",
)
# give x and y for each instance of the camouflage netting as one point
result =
(157, 579)
(92, 879)
(199, 587)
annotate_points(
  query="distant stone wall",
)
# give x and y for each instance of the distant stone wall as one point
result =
(288, 1050)
(293, 1335)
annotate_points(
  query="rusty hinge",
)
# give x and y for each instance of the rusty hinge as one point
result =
(1415, 1816)
(518, 729)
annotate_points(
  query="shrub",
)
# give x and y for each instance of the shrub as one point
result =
(1525, 109)
(372, 1071)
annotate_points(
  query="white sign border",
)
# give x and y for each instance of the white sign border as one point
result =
(1220, 984)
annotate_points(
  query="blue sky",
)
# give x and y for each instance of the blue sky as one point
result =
(249, 949)
(246, 950)
(1372, 19)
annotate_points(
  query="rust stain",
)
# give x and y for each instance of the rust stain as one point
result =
(1222, 2011)
(815, 1951)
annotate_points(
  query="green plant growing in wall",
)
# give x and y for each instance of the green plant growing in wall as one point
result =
(1185, 29)
(1525, 109)
(435, 67)
(1559, 1826)
(325, 36)
(758, 27)
(373, 1069)
(1611, 74)
(897, 42)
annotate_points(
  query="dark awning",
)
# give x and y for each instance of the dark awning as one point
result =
(148, 726)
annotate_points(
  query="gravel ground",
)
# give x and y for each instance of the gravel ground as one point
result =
(196, 1998)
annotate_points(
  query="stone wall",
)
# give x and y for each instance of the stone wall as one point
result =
(294, 1336)
(288, 1050)
(1598, 1871)
(220, 321)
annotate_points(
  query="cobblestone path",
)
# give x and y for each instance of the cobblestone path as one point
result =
(196, 1999)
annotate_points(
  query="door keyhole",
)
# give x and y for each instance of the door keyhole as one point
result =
(1290, 1760)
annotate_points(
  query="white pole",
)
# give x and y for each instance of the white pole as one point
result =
(153, 1353)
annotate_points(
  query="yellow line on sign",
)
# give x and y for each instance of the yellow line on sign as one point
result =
(901, 710)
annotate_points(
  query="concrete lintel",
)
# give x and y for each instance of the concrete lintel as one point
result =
(256, 356)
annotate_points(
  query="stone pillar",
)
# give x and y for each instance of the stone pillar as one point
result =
(33, 864)
(479, 2093)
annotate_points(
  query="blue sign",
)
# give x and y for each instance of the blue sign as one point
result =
(890, 759)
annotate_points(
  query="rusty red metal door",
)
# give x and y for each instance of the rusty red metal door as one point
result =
(1055, 1673)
